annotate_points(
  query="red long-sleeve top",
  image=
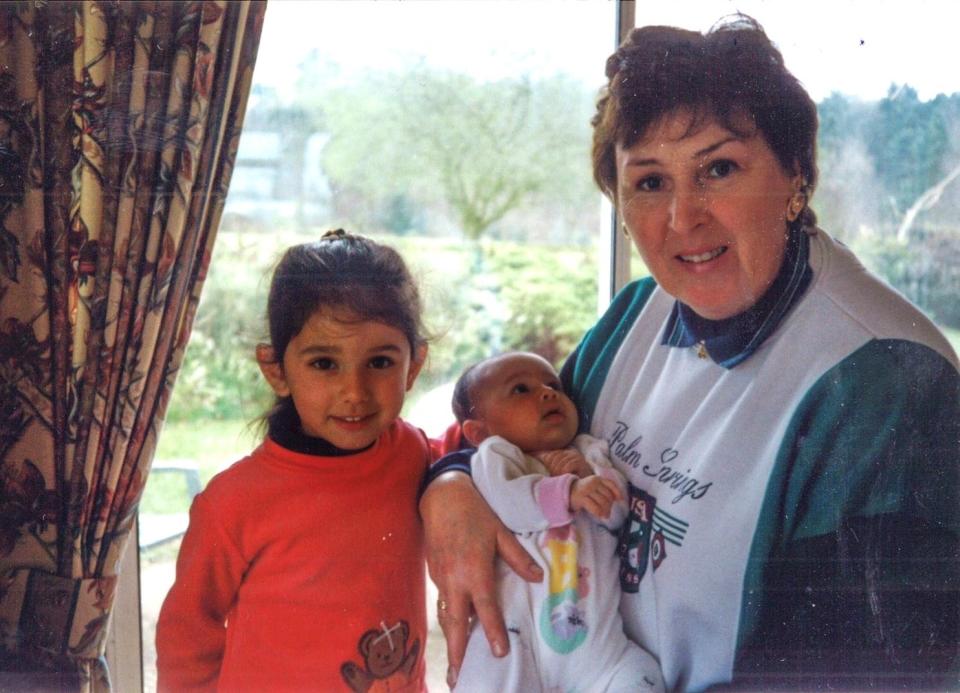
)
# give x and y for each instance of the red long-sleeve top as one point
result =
(302, 573)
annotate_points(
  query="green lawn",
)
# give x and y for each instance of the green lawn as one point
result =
(206, 441)
(209, 445)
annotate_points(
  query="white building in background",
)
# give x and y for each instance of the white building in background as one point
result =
(274, 181)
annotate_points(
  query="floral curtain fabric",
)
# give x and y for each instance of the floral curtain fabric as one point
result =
(119, 124)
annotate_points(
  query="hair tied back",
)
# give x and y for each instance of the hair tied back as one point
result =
(334, 235)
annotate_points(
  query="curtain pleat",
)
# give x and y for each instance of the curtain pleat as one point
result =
(119, 126)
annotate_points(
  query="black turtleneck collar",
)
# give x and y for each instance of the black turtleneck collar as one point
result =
(285, 429)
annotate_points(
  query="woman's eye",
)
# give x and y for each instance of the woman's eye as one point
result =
(519, 389)
(721, 168)
(380, 362)
(650, 184)
(323, 364)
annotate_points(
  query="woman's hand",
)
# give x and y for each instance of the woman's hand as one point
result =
(463, 539)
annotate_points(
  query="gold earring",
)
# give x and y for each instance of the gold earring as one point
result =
(626, 231)
(796, 205)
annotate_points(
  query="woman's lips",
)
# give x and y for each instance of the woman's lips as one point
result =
(706, 256)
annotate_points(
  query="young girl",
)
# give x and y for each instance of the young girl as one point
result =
(302, 568)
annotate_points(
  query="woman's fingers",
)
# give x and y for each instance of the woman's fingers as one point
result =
(486, 606)
(453, 614)
(455, 619)
(456, 629)
(515, 556)
(463, 537)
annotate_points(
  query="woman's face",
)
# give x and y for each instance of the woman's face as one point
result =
(707, 211)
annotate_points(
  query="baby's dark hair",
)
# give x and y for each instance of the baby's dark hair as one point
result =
(462, 403)
(347, 273)
(463, 390)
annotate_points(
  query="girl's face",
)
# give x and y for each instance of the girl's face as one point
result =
(347, 378)
(707, 211)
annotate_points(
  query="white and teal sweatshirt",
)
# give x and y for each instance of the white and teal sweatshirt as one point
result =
(795, 496)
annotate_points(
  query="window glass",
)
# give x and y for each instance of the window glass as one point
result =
(457, 132)
(889, 145)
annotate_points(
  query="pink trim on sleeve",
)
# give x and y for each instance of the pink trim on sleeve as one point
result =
(553, 497)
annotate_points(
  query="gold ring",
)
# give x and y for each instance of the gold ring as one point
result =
(441, 605)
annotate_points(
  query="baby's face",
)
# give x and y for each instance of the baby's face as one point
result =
(519, 397)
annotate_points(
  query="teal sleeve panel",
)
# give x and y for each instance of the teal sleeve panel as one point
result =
(585, 371)
(855, 558)
(872, 606)
(878, 433)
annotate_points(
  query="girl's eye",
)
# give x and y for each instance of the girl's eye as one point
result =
(519, 389)
(323, 364)
(721, 168)
(381, 362)
(650, 184)
(555, 385)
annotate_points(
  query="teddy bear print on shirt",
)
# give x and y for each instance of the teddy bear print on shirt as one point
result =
(387, 663)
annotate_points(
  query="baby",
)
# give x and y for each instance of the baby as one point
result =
(558, 492)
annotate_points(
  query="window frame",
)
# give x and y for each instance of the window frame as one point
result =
(124, 640)
(615, 268)
(124, 650)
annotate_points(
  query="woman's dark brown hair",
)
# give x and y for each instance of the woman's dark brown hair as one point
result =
(732, 73)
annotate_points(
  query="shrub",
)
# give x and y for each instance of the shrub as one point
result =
(927, 271)
(219, 378)
(507, 296)
(550, 297)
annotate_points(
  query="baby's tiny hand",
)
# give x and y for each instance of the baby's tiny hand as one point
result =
(594, 494)
(560, 462)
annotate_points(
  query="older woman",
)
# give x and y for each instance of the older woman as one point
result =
(789, 425)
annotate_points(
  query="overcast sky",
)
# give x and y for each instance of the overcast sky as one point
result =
(858, 47)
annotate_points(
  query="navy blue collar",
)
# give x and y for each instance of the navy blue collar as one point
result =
(732, 340)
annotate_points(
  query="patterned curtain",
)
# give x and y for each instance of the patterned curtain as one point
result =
(119, 124)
